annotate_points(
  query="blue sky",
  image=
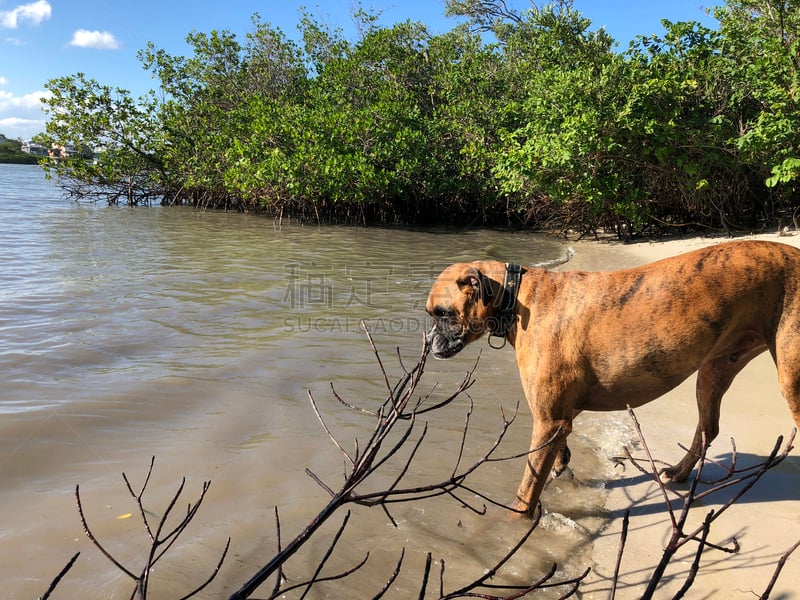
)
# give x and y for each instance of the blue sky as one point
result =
(45, 39)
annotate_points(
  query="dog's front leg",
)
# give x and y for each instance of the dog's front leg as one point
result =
(547, 440)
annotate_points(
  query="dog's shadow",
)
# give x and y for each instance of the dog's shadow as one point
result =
(780, 483)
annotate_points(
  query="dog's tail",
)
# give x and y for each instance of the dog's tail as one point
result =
(549, 264)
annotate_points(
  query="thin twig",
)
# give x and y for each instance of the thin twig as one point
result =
(138, 496)
(661, 486)
(279, 579)
(623, 538)
(377, 357)
(695, 568)
(59, 577)
(94, 540)
(327, 430)
(490, 573)
(213, 574)
(781, 563)
(393, 577)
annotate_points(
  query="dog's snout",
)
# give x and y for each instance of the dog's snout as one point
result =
(431, 333)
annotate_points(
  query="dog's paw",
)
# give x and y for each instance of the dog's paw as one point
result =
(563, 472)
(673, 475)
(666, 475)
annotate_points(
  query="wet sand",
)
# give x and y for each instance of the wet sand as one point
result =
(765, 522)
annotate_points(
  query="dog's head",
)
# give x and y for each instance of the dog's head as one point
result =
(461, 305)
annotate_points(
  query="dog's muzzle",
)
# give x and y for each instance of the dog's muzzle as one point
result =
(443, 346)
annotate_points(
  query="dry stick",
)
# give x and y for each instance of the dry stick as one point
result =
(438, 489)
(464, 434)
(695, 568)
(328, 431)
(213, 575)
(367, 460)
(778, 569)
(425, 576)
(328, 553)
(315, 578)
(412, 377)
(59, 577)
(446, 486)
(94, 540)
(392, 392)
(623, 538)
(279, 579)
(679, 538)
(675, 542)
(750, 475)
(523, 590)
(678, 524)
(730, 471)
(138, 496)
(393, 577)
(288, 551)
(156, 539)
(361, 469)
(144, 580)
(384, 495)
(488, 458)
(168, 540)
(654, 469)
(493, 571)
(775, 457)
(754, 473)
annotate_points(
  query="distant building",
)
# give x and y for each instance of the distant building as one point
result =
(34, 148)
(63, 151)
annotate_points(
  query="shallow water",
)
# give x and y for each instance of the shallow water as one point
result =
(196, 337)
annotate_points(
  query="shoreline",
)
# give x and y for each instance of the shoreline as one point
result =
(765, 522)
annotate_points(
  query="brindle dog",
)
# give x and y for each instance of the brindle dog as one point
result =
(607, 340)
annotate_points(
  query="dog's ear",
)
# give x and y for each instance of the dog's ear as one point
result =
(473, 282)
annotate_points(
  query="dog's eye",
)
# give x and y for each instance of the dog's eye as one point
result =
(440, 312)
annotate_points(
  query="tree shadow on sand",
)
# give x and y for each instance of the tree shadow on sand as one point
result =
(781, 483)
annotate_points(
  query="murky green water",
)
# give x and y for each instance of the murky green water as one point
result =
(195, 337)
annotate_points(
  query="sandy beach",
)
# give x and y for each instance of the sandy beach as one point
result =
(765, 521)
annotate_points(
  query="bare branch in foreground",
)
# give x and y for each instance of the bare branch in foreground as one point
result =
(397, 439)
(397, 430)
(744, 478)
(161, 539)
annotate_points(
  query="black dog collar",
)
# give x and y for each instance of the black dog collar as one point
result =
(504, 315)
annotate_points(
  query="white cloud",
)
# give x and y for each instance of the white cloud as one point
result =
(22, 116)
(14, 127)
(33, 13)
(103, 40)
(32, 100)
(3, 80)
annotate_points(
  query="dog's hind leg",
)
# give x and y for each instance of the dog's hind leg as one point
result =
(789, 379)
(713, 380)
